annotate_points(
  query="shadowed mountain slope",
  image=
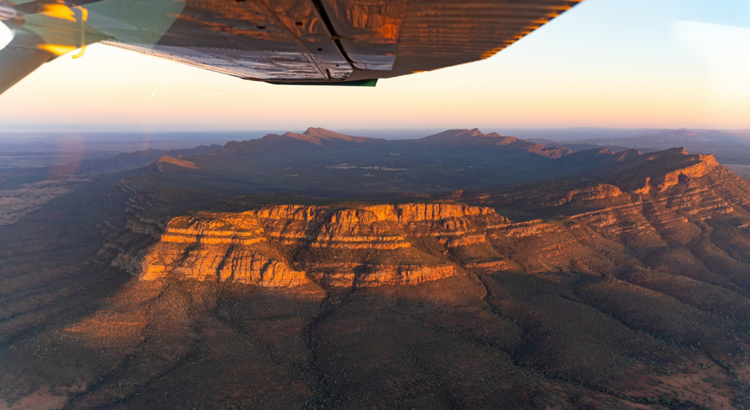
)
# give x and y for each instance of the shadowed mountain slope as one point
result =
(321, 162)
(473, 138)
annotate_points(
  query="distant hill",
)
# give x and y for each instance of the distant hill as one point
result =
(139, 158)
(475, 138)
(728, 147)
(120, 162)
(582, 146)
(664, 138)
(324, 161)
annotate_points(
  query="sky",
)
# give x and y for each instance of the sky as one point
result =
(604, 63)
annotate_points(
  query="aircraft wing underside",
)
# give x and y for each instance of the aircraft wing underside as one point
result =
(290, 41)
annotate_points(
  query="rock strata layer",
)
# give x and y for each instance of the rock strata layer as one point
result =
(290, 245)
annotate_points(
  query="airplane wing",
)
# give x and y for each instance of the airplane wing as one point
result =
(20, 57)
(325, 42)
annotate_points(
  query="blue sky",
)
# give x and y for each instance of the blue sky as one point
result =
(605, 63)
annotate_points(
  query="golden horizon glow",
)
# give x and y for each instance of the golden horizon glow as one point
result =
(577, 71)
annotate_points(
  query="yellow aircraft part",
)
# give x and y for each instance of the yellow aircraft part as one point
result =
(56, 49)
(59, 11)
(80, 53)
(84, 13)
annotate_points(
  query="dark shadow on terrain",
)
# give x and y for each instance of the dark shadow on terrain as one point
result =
(50, 274)
(527, 341)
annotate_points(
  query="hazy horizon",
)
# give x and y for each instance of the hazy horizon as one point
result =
(386, 133)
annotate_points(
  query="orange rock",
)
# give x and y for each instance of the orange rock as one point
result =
(706, 163)
(177, 162)
(247, 247)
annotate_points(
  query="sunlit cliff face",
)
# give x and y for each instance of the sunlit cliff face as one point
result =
(364, 246)
(291, 245)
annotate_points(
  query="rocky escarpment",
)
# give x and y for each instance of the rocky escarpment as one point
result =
(595, 192)
(678, 193)
(368, 245)
(290, 245)
(649, 203)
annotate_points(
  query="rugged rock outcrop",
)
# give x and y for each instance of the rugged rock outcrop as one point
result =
(369, 245)
(340, 246)
(219, 262)
(703, 165)
(596, 192)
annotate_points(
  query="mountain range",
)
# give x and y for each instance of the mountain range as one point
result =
(321, 270)
(729, 148)
(323, 163)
